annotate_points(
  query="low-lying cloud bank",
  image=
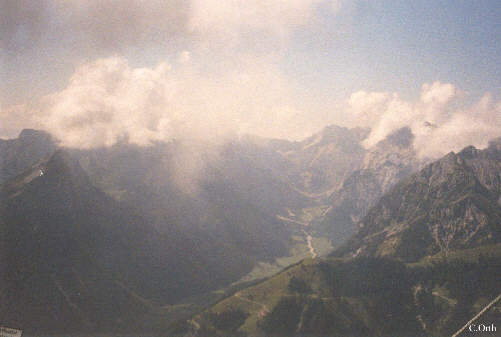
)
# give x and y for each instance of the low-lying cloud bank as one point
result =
(108, 100)
(439, 119)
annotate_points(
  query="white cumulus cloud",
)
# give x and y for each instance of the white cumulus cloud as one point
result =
(439, 119)
(108, 100)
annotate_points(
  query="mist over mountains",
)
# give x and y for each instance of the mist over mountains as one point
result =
(165, 230)
(389, 161)
(424, 260)
(73, 208)
(450, 204)
(205, 168)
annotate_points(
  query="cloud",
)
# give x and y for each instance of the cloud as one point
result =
(211, 88)
(43, 41)
(439, 119)
(22, 22)
(104, 25)
(108, 24)
(336, 5)
(108, 100)
(233, 19)
(14, 118)
(438, 93)
(367, 107)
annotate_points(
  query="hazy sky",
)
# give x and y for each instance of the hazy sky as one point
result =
(92, 70)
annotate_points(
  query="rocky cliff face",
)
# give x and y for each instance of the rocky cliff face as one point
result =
(321, 162)
(452, 203)
(383, 166)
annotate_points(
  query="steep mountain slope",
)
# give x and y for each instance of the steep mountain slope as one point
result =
(227, 203)
(16, 155)
(260, 174)
(361, 297)
(452, 203)
(175, 219)
(383, 166)
(192, 186)
(322, 161)
(316, 298)
(73, 259)
(426, 259)
(221, 216)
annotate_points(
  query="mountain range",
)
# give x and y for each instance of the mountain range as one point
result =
(72, 255)
(385, 164)
(450, 204)
(425, 259)
(166, 230)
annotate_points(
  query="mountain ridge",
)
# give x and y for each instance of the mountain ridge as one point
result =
(465, 186)
(81, 255)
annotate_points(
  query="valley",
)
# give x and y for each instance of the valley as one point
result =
(306, 242)
(392, 277)
(250, 168)
(257, 237)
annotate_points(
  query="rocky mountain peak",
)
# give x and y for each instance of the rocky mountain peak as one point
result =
(495, 144)
(19, 154)
(468, 152)
(450, 204)
(401, 138)
(32, 133)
